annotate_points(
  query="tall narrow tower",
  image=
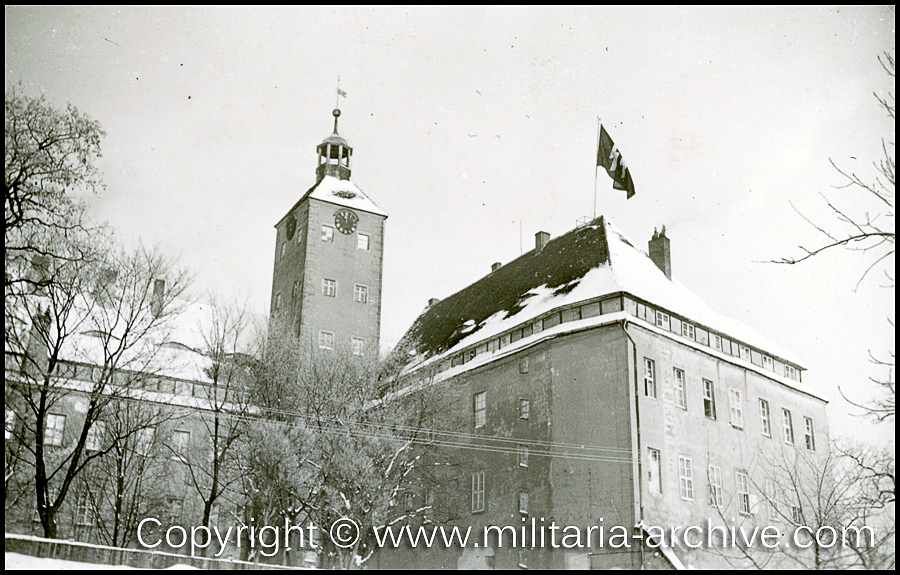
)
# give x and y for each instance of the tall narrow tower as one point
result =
(329, 252)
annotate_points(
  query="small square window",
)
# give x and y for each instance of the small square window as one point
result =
(358, 345)
(523, 365)
(524, 408)
(327, 234)
(326, 340)
(687, 330)
(361, 293)
(329, 288)
(362, 242)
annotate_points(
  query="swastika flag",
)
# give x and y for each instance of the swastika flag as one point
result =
(609, 157)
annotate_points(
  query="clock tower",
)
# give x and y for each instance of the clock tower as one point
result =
(329, 248)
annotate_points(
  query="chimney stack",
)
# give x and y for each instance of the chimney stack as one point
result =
(660, 252)
(159, 292)
(540, 240)
(495, 266)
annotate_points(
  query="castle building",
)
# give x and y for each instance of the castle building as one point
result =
(329, 250)
(591, 388)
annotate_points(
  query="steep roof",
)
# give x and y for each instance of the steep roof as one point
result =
(588, 262)
(339, 192)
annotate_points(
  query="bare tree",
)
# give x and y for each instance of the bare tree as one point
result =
(107, 314)
(50, 158)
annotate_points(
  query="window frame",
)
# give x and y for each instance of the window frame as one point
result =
(95, 436)
(709, 399)
(479, 408)
(522, 456)
(765, 417)
(361, 289)
(524, 408)
(329, 285)
(357, 346)
(716, 496)
(330, 335)
(685, 478)
(57, 438)
(479, 498)
(368, 241)
(654, 463)
(651, 365)
(736, 407)
(680, 387)
(743, 491)
(787, 424)
(327, 234)
(809, 433)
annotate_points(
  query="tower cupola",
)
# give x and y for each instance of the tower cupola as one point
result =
(334, 154)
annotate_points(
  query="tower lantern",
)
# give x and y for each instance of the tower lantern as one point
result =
(334, 154)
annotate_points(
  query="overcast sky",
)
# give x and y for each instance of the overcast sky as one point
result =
(471, 123)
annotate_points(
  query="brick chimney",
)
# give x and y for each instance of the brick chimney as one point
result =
(660, 252)
(496, 266)
(540, 240)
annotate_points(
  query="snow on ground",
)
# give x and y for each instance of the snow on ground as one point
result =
(19, 561)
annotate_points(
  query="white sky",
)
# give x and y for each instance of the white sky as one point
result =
(469, 122)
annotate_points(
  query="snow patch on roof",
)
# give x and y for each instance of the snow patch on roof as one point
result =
(344, 193)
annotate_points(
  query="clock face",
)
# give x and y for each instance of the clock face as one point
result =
(345, 221)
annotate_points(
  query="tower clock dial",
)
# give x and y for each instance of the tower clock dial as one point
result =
(345, 221)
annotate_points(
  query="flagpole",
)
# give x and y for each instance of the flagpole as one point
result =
(595, 167)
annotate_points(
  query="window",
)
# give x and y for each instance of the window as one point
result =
(358, 345)
(329, 287)
(709, 399)
(95, 436)
(523, 456)
(84, 515)
(326, 340)
(360, 293)
(788, 426)
(10, 423)
(745, 353)
(649, 378)
(277, 301)
(662, 320)
(737, 409)
(715, 486)
(770, 501)
(685, 478)
(479, 405)
(523, 364)
(362, 242)
(687, 330)
(144, 440)
(181, 440)
(765, 421)
(283, 249)
(654, 479)
(768, 363)
(680, 393)
(790, 372)
(327, 234)
(717, 342)
(523, 502)
(478, 492)
(743, 485)
(299, 234)
(810, 436)
(796, 515)
(524, 408)
(53, 431)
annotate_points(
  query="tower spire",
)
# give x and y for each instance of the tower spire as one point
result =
(334, 152)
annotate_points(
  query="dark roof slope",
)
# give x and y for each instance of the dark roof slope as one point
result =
(561, 264)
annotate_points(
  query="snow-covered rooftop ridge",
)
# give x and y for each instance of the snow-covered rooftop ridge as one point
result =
(344, 193)
(583, 265)
(634, 272)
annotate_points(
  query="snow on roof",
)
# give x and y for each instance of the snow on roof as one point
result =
(583, 264)
(343, 193)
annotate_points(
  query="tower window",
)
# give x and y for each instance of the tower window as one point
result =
(358, 345)
(277, 301)
(327, 234)
(329, 287)
(361, 293)
(326, 340)
(299, 234)
(283, 248)
(362, 242)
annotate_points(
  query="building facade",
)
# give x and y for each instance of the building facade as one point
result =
(592, 389)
